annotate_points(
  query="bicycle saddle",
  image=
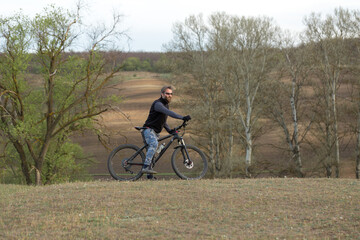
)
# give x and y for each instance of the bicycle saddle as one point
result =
(140, 128)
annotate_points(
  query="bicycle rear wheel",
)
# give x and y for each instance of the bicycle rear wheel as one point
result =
(194, 167)
(124, 163)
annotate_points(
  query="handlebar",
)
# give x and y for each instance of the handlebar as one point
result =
(184, 124)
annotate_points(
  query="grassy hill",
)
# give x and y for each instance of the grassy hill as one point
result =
(175, 209)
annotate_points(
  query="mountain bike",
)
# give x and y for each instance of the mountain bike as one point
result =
(188, 162)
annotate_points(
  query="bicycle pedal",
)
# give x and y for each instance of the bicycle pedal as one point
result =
(151, 177)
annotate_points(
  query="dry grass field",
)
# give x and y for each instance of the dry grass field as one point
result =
(176, 209)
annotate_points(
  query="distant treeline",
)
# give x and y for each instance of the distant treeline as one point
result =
(129, 61)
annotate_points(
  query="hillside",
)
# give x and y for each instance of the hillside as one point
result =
(139, 90)
(204, 209)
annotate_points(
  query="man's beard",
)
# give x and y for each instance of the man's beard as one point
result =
(168, 99)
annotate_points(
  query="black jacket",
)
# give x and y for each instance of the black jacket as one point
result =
(159, 111)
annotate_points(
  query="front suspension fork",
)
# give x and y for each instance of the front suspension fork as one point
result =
(184, 152)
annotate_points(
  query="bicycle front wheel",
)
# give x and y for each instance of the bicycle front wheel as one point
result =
(189, 166)
(125, 162)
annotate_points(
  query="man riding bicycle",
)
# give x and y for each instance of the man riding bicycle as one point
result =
(156, 121)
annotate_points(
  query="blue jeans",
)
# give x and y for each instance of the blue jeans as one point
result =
(151, 138)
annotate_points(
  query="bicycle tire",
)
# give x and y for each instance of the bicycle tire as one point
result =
(119, 169)
(185, 171)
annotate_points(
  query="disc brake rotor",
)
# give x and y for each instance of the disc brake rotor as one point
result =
(188, 164)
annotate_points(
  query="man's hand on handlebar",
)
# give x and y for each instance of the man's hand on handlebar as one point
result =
(186, 118)
(172, 131)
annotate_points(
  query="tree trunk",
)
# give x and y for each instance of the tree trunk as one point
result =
(40, 160)
(247, 127)
(357, 168)
(248, 157)
(212, 157)
(24, 162)
(328, 160)
(217, 160)
(298, 163)
(296, 145)
(212, 142)
(336, 137)
(230, 150)
(49, 123)
(329, 139)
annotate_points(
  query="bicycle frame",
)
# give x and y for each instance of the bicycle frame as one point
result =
(174, 137)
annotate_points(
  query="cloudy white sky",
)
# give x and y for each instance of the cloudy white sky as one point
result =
(149, 23)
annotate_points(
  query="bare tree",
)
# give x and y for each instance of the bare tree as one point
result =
(252, 61)
(354, 27)
(328, 40)
(222, 36)
(287, 105)
(354, 65)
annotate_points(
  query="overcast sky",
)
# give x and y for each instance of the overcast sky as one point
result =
(149, 23)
